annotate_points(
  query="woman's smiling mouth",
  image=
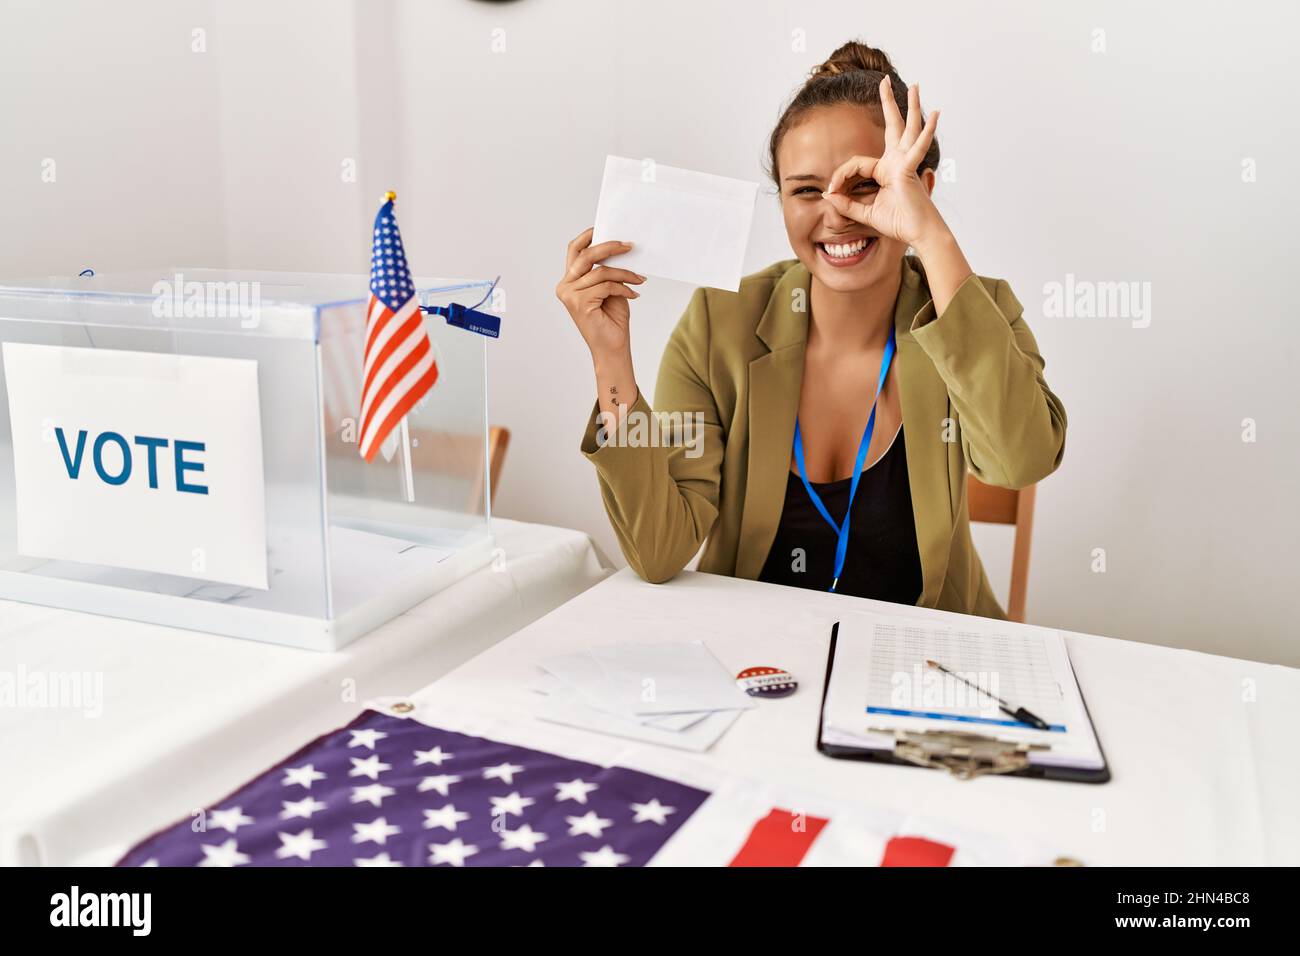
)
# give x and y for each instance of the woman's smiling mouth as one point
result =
(849, 253)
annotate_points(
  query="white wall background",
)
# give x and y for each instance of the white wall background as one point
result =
(492, 121)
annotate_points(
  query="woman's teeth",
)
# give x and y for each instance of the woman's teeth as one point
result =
(846, 250)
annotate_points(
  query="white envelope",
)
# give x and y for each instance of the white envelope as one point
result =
(655, 678)
(550, 685)
(684, 225)
(568, 709)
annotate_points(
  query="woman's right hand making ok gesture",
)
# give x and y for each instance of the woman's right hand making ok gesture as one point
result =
(597, 296)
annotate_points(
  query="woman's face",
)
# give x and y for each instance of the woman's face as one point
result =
(810, 152)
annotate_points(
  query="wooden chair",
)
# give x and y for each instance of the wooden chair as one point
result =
(462, 456)
(498, 443)
(991, 505)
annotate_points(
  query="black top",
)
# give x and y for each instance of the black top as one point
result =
(883, 561)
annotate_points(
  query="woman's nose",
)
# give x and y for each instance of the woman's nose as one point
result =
(832, 216)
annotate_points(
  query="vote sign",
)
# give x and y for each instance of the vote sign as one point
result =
(140, 460)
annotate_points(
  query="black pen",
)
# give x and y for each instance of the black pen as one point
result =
(1020, 714)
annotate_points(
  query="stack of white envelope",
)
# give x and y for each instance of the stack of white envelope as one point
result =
(674, 694)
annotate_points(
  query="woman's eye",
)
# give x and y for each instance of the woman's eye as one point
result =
(865, 186)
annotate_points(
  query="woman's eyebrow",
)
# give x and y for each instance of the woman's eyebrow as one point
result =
(802, 177)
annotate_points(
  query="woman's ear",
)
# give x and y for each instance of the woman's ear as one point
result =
(927, 179)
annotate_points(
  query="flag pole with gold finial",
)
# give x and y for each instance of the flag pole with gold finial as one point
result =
(391, 196)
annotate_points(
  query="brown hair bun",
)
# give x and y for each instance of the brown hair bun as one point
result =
(855, 56)
(851, 74)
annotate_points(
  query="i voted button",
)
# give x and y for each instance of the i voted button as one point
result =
(766, 682)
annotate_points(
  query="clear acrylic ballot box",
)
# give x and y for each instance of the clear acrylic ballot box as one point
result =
(183, 448)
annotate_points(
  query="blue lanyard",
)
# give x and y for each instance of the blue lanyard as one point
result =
(842, 530)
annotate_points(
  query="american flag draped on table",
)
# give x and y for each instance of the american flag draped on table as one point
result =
(395, 791)
(388, 791)
(399, 366)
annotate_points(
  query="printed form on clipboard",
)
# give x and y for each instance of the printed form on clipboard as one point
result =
(879, 686)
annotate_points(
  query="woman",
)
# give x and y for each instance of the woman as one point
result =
(804, 379)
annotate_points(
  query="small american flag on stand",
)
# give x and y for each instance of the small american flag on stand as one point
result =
(399, 366)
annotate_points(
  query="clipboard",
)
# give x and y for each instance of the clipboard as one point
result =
(965, 755)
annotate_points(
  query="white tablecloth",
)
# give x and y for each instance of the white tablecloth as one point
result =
(1201, 748)
(186, 716)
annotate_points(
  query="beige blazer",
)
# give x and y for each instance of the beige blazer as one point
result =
(973, 399)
